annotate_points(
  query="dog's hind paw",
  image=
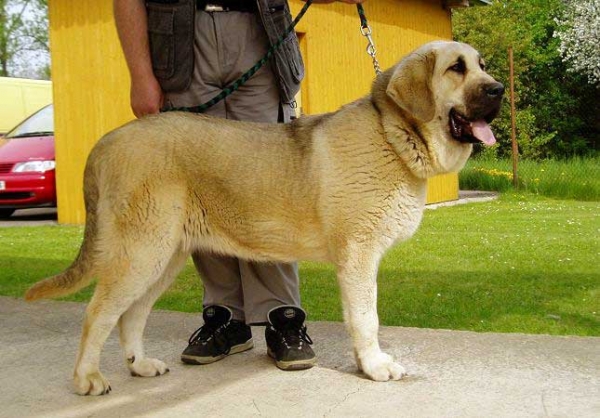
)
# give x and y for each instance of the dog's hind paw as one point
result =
(92, 384)
(381, 368)
(147, 367)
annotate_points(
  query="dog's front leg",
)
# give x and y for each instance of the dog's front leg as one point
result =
(358, 283)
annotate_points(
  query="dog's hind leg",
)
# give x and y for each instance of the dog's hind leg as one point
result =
(357, 276)
(133, 322)
(121, 284)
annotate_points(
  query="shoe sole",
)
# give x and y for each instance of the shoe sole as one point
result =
(293, 365)
(188, 359)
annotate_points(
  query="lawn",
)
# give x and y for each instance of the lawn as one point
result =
(574, 178)
(522, 263)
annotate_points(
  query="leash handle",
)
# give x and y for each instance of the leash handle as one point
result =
(366, 31)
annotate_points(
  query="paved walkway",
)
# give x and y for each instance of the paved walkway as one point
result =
(31, 217)
(451, 373)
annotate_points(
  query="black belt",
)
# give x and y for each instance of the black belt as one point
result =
(248, 6)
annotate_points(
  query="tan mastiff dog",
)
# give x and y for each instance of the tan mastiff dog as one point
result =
(340, 187)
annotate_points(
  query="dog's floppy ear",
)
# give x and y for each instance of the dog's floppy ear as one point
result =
(410, 85)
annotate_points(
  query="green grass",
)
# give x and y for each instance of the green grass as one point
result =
(577, 178)
(518, 264)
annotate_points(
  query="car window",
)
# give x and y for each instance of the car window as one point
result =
(38, 124)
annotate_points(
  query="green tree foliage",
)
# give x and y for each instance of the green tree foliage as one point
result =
(557, 113)
(24, 49)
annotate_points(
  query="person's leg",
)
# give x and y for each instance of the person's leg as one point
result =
(221, 281)
(267, 286)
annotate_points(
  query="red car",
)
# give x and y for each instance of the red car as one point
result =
(27, 164)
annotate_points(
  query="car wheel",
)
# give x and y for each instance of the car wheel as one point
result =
(5, 213)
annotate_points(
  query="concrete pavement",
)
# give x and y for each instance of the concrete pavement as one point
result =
(31, 217)
(451, 373)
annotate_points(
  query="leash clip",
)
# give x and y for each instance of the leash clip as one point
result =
(366, 31)
(371, 50)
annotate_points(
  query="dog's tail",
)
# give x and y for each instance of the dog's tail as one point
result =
(80, 272)
(65, 283)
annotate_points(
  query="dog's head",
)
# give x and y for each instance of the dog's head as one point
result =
(444, 90)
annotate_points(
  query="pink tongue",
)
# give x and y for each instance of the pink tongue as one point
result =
(482, 131)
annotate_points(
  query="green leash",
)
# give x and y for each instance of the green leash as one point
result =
(227, 91)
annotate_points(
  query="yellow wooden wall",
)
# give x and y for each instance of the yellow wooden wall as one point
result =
(91, 91)
(91, 83)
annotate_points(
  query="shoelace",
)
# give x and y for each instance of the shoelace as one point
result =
(206, 332)
(294, 336)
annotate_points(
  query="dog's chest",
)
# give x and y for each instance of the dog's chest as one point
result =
(404, 215)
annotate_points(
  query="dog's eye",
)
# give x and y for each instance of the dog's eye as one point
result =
(459, 67)
(482, 66)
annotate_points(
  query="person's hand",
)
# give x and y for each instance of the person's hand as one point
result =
(146, 96)
(342, 1)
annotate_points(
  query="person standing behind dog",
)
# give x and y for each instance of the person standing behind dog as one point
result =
(182, 53)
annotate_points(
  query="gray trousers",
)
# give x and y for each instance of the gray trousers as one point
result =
(226, 45)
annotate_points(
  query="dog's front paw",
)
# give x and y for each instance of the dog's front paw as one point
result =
(147, 367)
(91, 384)
(381, 367)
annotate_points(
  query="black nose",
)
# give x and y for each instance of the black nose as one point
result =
(494, 90)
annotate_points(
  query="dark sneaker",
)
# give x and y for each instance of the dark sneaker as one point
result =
(287, 340)
(220, 336)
